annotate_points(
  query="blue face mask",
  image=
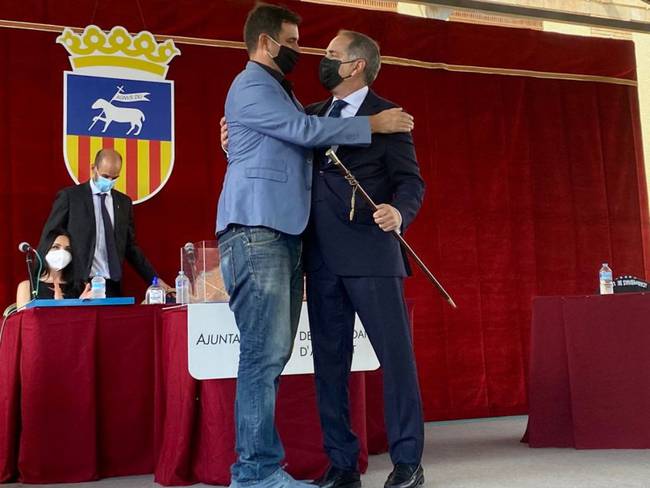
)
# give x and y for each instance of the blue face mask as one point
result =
(104, 185)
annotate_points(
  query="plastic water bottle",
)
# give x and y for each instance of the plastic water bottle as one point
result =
(606, 280)
(182, 288)
(155, 293)
(98, 287)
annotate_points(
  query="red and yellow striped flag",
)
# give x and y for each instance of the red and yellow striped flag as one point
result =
(146, 164)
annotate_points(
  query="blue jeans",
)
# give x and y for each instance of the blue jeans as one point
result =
(262, 272)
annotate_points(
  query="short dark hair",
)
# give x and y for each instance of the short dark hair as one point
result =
(364, 47)
(266, 19)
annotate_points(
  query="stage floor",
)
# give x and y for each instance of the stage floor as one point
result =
(486, 453)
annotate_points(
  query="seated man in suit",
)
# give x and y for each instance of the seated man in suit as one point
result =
(99, 220)
(354, 264)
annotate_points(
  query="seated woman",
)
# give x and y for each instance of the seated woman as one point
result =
(55, 279)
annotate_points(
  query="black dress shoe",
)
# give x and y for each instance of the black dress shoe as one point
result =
(405, 476)
(338, 478)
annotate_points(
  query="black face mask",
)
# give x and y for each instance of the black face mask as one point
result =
(286, 59)
(328, 72)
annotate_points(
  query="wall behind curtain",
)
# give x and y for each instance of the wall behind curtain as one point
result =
(531, 183)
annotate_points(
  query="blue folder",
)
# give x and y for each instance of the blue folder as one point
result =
(75, 302)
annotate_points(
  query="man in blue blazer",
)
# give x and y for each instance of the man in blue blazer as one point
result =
(263, 210)
(354, 264)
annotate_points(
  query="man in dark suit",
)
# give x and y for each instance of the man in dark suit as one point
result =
(354, 264)
(100, 222)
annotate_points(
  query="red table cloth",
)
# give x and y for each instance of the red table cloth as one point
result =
(76, 393)
(195, 432)
(589, 383)
(93, 392)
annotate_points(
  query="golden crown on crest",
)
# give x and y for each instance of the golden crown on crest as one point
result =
(94, 48)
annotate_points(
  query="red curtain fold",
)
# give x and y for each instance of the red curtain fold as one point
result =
(531, 183)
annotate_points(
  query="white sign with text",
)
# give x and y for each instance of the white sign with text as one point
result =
(213, 344)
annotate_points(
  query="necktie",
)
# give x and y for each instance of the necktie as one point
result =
(337, 106)
(114, 267)
(335, 111)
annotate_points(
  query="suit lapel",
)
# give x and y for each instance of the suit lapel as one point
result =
(322, 109)
(261, 72)
(369, 105)
(88, 202)
(296, 102)
(117, 208)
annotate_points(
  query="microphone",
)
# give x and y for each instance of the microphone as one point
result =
(30, 252)
(25, 247)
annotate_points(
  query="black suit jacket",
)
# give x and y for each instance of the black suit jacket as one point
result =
(73, 210)
(388, 170)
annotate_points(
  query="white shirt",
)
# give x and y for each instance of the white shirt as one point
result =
(100, 258)
(354, 100)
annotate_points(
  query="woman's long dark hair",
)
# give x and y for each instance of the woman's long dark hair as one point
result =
(67, 273)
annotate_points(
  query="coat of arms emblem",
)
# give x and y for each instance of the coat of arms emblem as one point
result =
(117, 96)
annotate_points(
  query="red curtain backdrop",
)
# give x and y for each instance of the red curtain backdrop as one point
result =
(531, 182)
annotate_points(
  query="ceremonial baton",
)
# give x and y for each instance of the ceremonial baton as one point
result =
(355, 184)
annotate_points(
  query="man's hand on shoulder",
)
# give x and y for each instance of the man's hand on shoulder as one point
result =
(390, 121)
(387, 217)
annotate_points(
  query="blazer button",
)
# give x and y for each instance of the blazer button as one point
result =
(321, 172)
